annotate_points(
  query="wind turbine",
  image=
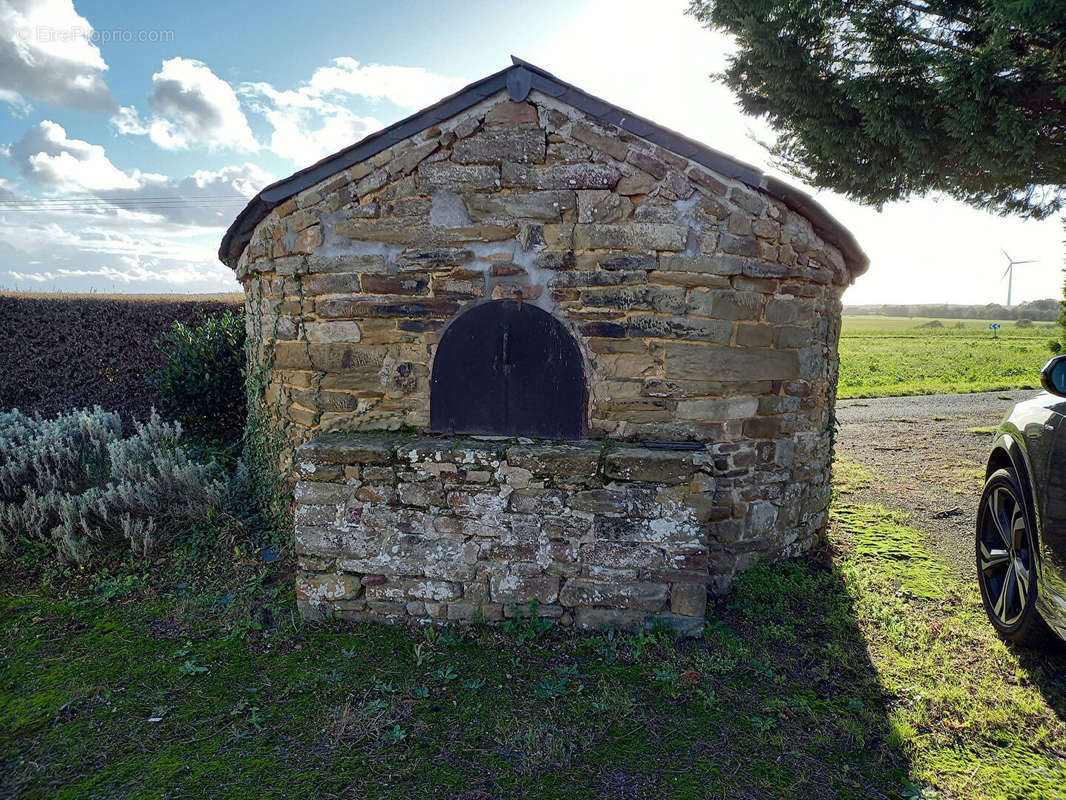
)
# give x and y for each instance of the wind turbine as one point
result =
(1009, 273)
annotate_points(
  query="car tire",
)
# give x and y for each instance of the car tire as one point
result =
(1006, 550)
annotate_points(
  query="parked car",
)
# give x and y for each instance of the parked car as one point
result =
(1021, 520)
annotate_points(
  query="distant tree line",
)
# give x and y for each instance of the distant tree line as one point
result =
(1037, 310)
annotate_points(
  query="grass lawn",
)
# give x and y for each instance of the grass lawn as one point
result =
(882, 356)
(866, 672)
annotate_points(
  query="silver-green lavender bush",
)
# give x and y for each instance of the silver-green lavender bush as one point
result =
(76, 483)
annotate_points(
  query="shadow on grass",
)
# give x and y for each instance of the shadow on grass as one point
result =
(808, 706)
(148, 696)
(1046, 668)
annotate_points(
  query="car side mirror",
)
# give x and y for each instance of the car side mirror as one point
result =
(1053, 376)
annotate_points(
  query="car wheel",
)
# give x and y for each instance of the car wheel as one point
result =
(1006, 562)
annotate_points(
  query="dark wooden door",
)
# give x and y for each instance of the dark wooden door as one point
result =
(508, 369)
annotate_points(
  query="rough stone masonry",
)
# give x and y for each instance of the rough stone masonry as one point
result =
(456, 528)
(706, 310)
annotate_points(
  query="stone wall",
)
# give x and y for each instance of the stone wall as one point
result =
(704, 309)
(697, 302)
(391, 527)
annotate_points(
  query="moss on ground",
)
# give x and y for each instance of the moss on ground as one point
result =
(866, 672)
(975, 716)
(887, 549)
(850, 476)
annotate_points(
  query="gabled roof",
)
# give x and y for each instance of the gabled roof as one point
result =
(519, 79)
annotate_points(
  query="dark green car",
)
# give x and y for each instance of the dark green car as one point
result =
(1021, 521)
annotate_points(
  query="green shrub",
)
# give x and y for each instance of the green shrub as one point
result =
(201, 382)
(1054, 345)
(1024, 322)
(75, 484)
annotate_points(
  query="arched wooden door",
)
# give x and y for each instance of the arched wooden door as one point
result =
(510, 369)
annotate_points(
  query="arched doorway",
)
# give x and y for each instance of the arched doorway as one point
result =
(511, 369)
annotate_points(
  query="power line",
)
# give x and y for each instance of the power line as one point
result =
(127, 206)
(100, 198)
(92, 203)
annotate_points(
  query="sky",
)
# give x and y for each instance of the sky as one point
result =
(132, 134)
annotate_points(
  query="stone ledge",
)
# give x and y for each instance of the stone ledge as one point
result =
(581, 462)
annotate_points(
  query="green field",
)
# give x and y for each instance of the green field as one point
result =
(884, 356)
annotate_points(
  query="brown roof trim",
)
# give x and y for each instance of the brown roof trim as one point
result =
(519, 79)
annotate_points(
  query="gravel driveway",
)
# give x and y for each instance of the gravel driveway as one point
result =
(926, 460)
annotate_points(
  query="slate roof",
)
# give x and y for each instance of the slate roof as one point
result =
(519, 79)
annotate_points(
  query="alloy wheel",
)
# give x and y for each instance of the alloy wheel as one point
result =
(1004, 555)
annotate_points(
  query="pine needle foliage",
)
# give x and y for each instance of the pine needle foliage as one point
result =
(884, 99)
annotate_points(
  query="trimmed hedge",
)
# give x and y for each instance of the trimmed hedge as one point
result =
(59, 352)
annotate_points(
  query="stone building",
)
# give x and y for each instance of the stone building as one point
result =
(531, 346)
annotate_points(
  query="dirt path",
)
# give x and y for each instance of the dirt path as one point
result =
(926, 460)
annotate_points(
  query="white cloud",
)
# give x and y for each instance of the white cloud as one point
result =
(99, 227)
(191, 107)
(18, 104)
(128, 122)
(312, 121)
(171, 275)
(45, 155)
(47, 54)
(7, 190)
(306, 128)
(72, 169)
(210, 198)
(413, 87)
(78, 251)
(109, 250)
